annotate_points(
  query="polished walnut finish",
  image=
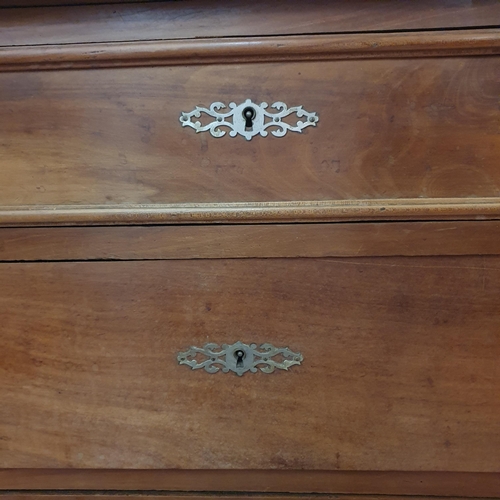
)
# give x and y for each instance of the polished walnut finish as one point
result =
(246, 50)
(463, 485)
(224, 18)
(423, 132)
(369, 243)
(412, 366)
(408, 239)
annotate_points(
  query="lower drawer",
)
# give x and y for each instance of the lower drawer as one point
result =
(400, 366)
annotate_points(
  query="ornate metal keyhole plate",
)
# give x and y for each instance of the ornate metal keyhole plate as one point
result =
(249, 119)
(239, 358)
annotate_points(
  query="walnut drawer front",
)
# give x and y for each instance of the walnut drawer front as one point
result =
(153, 20)
(400, 354)
(408, 128)
(393, 328)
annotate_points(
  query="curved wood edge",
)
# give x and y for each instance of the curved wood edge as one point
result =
(255, 212)
(463, 484)
(241, 50)
(250, 241)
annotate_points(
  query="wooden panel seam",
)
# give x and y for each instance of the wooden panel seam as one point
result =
(157, 495)
(464, 485)
(250, 241)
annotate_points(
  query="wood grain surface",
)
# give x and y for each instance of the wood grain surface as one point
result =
(199, 18)
(402, 209)
(398, 391)
(461, 484)
(176, 496)
(250, 241)
(400, 369)
(422, 129)
(484, 42)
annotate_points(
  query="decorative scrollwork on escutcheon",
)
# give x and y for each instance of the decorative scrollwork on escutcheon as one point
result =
(239, 124)
(239, 358)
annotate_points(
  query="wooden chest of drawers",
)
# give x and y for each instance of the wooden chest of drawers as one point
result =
(302, 194)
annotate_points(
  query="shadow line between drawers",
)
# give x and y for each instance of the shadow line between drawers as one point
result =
(458, 484)
(164, 495)
(139, 243)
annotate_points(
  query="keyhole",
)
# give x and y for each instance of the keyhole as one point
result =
(249, 115)
(239, 355)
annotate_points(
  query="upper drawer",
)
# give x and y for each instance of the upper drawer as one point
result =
(408, 127)
(205, 18)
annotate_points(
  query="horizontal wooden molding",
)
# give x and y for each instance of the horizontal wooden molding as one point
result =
(254, 212)
(460, 484)
(252, 49)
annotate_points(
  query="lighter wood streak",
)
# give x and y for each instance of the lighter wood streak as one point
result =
(296, 211)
